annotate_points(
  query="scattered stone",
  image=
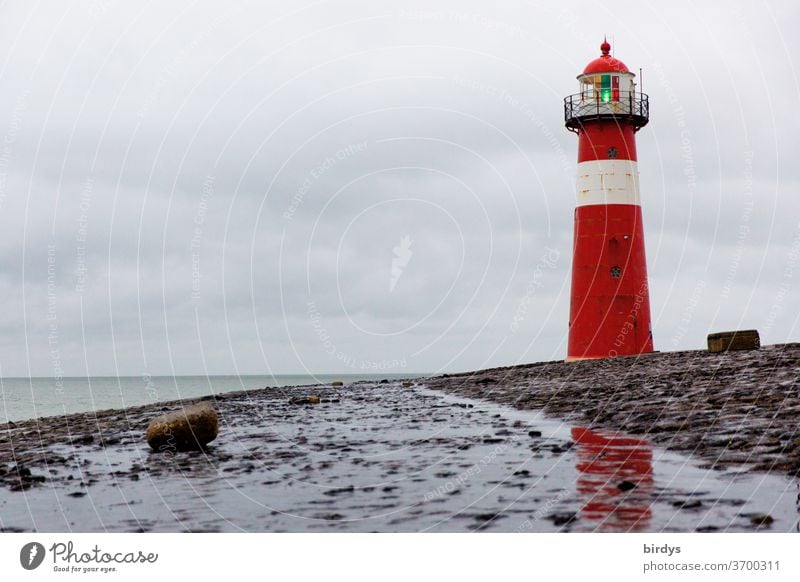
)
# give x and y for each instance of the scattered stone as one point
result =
(489, 516)
(76, 494)
(339, 491)
(486, 380)
(191, 428)
(337, 383)
(20, 478)
(86, 439)
(298, 400)
(407, 384)
(563, 518)
(694, 504)
(631, 396)
(761, 520)
(670, 398)
(626, 486)
(22, 471)
(384, 381)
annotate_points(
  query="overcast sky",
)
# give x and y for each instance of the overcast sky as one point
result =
(189, 189)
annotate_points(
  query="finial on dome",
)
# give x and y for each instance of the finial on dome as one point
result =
(605, 48)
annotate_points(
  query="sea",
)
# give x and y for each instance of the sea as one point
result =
(27, 398)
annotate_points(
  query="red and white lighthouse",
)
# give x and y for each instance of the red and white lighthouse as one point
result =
(609, 303)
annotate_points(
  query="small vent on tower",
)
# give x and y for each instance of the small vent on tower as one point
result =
(616, 272)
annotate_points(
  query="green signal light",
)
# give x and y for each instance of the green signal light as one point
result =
(605, 95)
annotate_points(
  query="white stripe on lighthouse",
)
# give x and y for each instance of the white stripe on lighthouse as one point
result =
(608, 182)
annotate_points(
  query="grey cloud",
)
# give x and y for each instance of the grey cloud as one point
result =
(188, 143)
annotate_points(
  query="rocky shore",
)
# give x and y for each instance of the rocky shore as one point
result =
(740, 408)
(455, 453)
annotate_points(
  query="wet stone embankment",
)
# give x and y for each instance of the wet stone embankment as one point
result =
(735, 409)
(461, 453)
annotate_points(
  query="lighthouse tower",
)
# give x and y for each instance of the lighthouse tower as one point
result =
(609, 303)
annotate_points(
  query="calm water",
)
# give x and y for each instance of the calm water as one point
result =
(24, 398)
(394, 460)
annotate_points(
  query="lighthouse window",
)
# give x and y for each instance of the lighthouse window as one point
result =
(606, 88)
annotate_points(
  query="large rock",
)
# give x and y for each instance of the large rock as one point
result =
(188, 429)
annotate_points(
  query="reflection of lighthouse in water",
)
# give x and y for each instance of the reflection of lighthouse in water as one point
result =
(615, 479)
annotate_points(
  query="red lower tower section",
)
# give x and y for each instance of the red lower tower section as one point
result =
(610, 303)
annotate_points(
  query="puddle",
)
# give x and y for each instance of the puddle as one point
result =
(388, 458)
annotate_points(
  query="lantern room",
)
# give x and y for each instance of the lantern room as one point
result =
(606, 79)
(606, 89)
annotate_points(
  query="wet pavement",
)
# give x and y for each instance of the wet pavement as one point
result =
(739, 409)
(371, 457)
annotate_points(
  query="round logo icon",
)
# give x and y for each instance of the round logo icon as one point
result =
(31, 555)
